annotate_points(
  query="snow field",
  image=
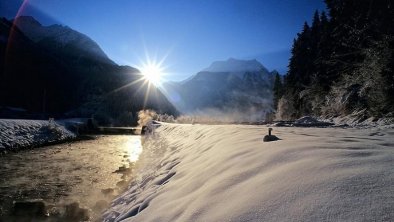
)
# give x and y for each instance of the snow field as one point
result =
(227, 173)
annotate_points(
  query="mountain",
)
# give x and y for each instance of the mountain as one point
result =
(233, 65)
(60, 38)
(53, 77)
(232, 86)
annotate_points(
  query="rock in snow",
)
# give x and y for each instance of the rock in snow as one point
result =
(227, 173)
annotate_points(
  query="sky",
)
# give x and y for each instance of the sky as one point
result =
(187, 35)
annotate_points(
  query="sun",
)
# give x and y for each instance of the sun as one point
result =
(153, 73)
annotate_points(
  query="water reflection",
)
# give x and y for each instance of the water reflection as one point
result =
(134, 148)
(90, 173)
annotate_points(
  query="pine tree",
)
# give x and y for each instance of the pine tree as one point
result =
(278, 90)
(298, 71)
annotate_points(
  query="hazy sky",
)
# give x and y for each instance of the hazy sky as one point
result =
(190, 35)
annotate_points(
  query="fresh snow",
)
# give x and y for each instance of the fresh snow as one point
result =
(227, 173)
(17, 133)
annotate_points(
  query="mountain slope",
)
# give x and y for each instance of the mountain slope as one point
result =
(53, 81)
(60, 38)
(231, 86)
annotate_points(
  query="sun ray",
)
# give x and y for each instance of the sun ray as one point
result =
(146, 95)
(128, 85)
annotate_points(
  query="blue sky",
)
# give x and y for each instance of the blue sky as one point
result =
(190, 35)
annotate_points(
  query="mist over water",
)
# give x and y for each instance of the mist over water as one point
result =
(146, 116)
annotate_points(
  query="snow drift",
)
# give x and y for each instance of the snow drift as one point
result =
(227, 173)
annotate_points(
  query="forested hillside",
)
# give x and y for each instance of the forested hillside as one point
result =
(342, 63)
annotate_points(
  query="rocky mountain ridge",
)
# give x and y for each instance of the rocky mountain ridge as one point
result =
(231, 86)
(59, 37)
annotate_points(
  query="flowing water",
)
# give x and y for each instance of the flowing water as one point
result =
(66, 182)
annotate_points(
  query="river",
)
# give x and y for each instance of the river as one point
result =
(66, 182)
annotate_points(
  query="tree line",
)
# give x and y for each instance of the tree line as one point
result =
(343, 62)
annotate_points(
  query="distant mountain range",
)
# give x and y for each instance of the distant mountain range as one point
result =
(229, 87)
(56, 71)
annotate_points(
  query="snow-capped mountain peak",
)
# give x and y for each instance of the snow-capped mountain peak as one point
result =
(236, 65)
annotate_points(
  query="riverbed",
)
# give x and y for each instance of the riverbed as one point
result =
(74, 181)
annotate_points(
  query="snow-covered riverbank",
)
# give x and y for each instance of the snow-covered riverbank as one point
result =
(17, 133)
(227, 173)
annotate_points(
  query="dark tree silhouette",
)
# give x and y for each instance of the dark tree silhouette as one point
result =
(278, 89)
(344, 62)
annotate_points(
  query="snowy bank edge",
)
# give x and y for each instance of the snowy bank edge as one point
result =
(17, 134)
(349, 121)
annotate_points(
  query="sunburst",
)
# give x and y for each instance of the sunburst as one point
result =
(151, 77)
(152, 72)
